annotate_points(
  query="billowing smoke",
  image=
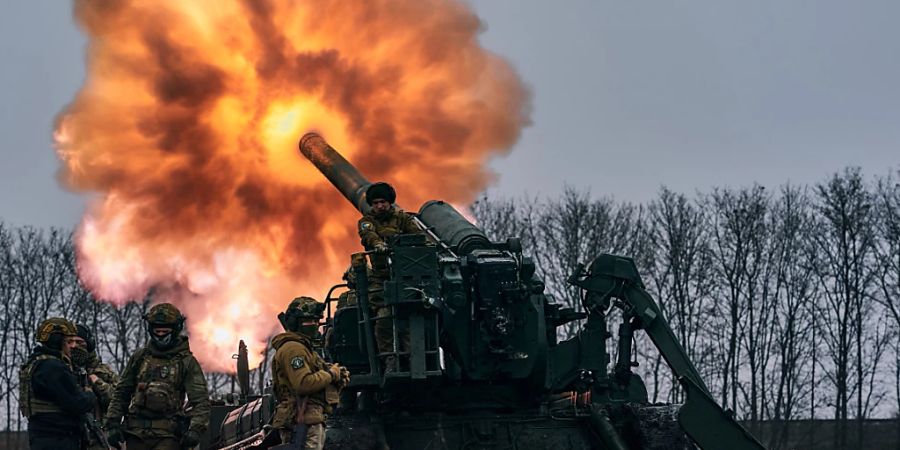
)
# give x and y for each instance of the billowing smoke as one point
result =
(186, 128)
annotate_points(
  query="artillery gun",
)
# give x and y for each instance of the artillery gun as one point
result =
(484, 367)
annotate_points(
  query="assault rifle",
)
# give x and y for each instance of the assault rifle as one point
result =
(92, 428)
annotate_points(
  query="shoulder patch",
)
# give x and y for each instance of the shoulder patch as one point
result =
(297, 362)
(365, 226)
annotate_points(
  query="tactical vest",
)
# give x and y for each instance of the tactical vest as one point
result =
(28, 404)
(159, 388)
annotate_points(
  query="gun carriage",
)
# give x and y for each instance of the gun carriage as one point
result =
(484, 367)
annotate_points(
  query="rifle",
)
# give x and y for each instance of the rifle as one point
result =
(94, 429)
(298, 436)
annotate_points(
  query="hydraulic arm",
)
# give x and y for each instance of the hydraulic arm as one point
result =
(614, 280)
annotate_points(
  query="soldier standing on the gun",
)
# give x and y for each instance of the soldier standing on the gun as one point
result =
(382, 222)
(95, 376)
(49, 395)
(150, 395)
(348, 297)
(305, 386)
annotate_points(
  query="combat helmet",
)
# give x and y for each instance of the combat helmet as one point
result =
(51, 332)
(302, 315)
(380, 190)
(164, 315)
(350, 277)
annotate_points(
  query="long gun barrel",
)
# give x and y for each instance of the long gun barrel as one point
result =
(439, 218)
(338, 170)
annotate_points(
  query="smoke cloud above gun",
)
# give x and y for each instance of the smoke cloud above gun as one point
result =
(185, 131)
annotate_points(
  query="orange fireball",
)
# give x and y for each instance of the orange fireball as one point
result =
(187, 125)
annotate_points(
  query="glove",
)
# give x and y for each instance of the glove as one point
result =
(381, 247)
(345, 377)
(335, 371)
(190, 439)
(115, 435)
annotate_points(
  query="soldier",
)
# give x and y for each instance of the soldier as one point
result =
(95, 376)
(150, 395)
(49, 396)
(348, 297)
(382, 222)
(305, 386)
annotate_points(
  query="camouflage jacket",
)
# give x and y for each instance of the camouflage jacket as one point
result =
(298, 372)
(374, 230)
(152, 389)
(102, 388)
(347, 298)
(106, 382)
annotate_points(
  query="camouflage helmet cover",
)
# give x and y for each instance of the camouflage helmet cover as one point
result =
(164, 314)
(349, 275)
(305, 307)
(55, 325)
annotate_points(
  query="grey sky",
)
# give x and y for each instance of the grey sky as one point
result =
(628, 95)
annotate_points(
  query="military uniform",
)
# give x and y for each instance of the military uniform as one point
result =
(49, 395)
(374, 231)
(305, 386)
(87, 364)
(105, 385)
(151, 392)
(346, 299)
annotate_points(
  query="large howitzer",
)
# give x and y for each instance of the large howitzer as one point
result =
(500, 336)
(498, 329)
(485, 367)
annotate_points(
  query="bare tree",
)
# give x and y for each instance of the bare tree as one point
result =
(8, 342)
(743, 255)
(888, 250)
(795, 291)
(679, 275)
(844, 242)
(561, 234)
(503, 218)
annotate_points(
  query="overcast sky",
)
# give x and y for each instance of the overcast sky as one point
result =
(628, 96)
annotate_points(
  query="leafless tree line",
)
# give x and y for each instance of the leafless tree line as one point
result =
(787, 300)
(38, 280)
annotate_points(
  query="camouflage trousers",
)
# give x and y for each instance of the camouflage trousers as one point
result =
(315, 436)
(384, 331)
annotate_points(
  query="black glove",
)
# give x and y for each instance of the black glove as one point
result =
(115, 435)
(190, 439)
